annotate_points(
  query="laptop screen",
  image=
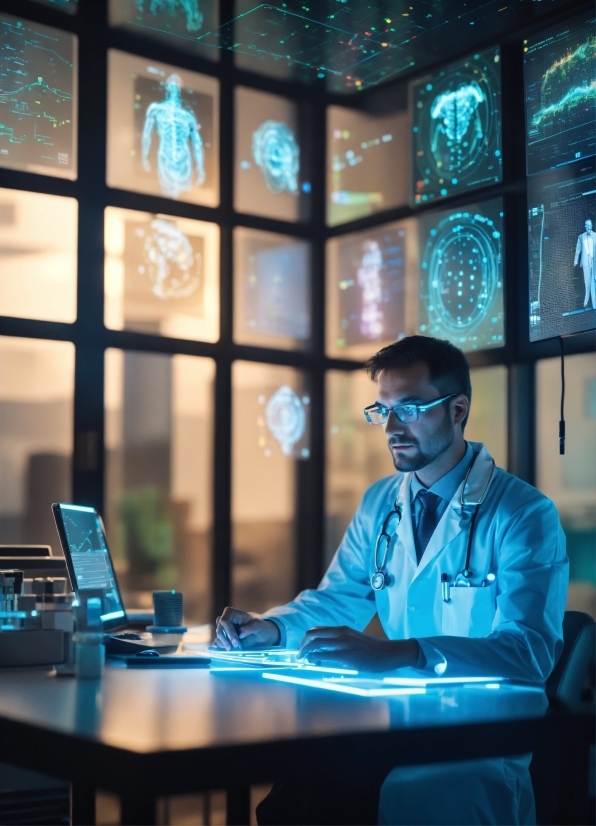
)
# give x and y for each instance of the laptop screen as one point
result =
(88, 558)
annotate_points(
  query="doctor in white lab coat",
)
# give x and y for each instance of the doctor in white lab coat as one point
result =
(505, 603)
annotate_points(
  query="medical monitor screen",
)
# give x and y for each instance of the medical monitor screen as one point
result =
(38, 111)
(456, 128)
(561, 247)
(366, 290)
(368, 163)
(560, 84)
(461, 275)
(272, 281)
(87, 557)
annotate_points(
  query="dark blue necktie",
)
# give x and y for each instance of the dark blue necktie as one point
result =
(427, 521)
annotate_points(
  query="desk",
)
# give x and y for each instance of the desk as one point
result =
(185, 731)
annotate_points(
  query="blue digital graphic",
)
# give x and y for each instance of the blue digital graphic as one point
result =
(461, 290)
(286, 419)
(277, 154)
(457, 128)
(37, 109)
(560, 82)
(180, 153)
(189, 8)
(173, 269)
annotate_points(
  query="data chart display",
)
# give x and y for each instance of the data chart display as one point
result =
(161, 275)
(179, 23)
(272, 289)
(561, 249)
(560, 88)
(162, 130)
(456, 128)
(367, 163)
(272, 175)
(38, 98)
(366, 293)
(461, 275)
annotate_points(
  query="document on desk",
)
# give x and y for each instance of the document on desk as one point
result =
(264, 658)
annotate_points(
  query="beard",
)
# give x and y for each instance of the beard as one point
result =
(422, 456)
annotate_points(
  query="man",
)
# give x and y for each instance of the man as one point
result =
(585, 248)
(503, 608)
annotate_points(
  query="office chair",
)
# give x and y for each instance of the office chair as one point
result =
(561, 787)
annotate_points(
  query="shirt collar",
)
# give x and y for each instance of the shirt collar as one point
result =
(446, 486)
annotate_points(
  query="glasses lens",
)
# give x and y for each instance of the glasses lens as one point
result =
(377, 415)
(407, 413)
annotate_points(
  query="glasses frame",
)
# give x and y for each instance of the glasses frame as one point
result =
(419, 408)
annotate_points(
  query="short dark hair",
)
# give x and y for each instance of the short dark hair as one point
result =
(448, 367)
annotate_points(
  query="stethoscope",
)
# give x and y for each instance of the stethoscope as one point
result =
(381, 579)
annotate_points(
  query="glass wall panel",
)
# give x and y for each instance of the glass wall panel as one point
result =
(178, 25)
(357, 454)
(272, 289)
(270, 436)
(38, 99)
(38, 249)
(163, 130)
(487, 422)
(161, 275)
(367, 163)
(158, 442)
(368, 295)
(272, 166)
(36, 437)
(570, 480)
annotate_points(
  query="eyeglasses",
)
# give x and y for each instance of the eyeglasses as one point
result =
(406, 413)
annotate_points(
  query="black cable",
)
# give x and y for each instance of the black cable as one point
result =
(562, 419)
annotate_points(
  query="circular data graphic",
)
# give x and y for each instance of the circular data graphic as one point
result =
(457, 127)
(276, 153)
(173, 267)
(285, 418)
(463, 262)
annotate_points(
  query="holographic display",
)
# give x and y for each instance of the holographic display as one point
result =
(177, 22)
(369, 284)
(277, 289)
(180, 156)
(38, 69)
(560, 85)
(461, 276)
(368, 163)
(456, 128)
(350, 46)
(561, 249)
(173, 262)
(285, 418)
(277, 154)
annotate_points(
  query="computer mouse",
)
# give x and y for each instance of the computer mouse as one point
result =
(150, 652)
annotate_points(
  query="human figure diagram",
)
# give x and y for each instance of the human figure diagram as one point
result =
(586, 243)
(178, 132)
(369, 280)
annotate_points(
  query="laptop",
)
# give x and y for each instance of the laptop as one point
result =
(89, 566)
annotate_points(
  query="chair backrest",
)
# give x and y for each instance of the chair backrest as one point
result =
(568, 679)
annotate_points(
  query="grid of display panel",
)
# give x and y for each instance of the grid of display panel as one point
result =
(218, 360)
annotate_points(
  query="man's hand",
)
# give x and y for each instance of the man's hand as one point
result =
(236, 630)
(344, 646)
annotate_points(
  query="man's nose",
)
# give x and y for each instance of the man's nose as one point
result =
(393, 425)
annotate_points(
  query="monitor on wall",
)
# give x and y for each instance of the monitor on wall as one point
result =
(561, 247)
(456, 128)
(560, 91)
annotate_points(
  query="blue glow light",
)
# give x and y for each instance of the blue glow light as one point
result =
(277, 154)
(360, 688)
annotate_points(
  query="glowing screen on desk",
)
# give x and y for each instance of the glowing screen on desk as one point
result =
(461, 275)
(561, 248)
(271, 176)
(368, 158)
(38, 99)
(560, 84)
(272, 278)
(162, 130)
(456, 127)
(366, 290)
(178, 23)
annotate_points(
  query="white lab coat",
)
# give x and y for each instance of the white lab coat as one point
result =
(512, 628)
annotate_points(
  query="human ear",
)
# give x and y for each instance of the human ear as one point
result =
(460, 407)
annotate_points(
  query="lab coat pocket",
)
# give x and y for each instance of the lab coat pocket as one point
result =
(469, 612)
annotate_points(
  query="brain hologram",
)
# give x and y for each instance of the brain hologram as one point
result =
(173, 268)
(276, 152)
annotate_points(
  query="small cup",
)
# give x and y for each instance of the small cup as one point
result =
(168, 609)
